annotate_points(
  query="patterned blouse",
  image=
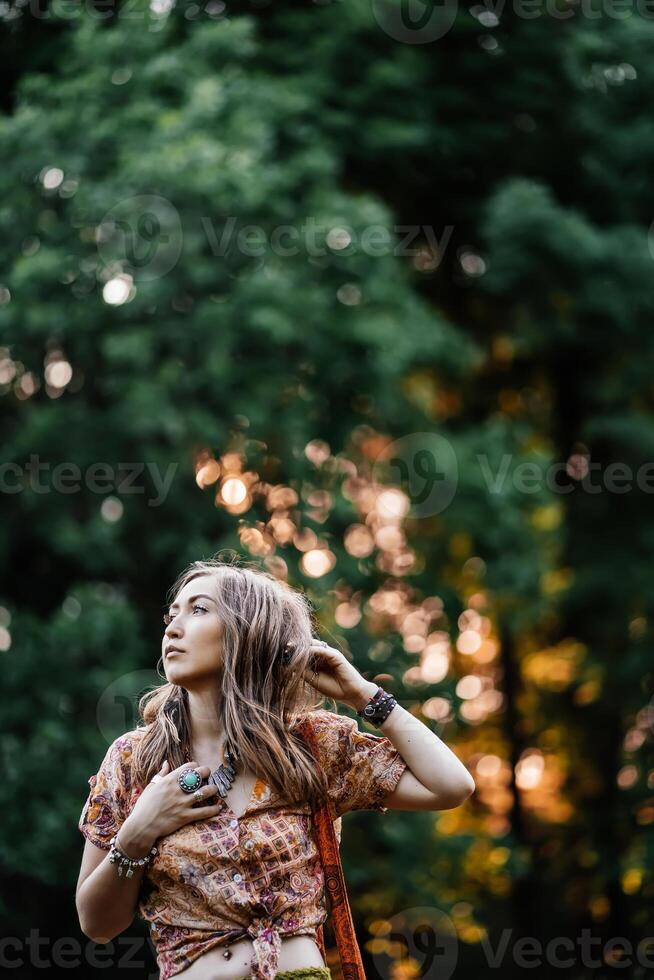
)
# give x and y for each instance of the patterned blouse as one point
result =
(221, 879)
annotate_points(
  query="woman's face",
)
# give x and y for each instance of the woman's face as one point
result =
(195, 629)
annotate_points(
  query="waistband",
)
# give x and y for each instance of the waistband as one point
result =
(302, 973)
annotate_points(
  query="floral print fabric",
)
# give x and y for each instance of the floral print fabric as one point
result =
(303, 973)
(259, 875)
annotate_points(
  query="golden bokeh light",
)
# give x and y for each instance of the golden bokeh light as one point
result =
(392, 504)
(317, 451)
(317, 562)
(119, 290)
(358, 541)
(468, 642)
(233, 491)
(347, 614)
(207, 473)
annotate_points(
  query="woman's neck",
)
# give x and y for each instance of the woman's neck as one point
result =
(205, 724)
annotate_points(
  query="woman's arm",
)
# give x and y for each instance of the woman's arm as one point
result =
(430, 760)
(440, 772)
(106, 902)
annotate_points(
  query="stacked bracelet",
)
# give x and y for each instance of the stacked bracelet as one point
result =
(117, 856)
(379, 707)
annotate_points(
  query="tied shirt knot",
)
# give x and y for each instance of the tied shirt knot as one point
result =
(267, 944)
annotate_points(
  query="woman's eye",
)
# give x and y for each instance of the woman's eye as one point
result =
(167, 618)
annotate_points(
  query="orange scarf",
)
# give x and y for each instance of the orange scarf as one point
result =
(325, 836)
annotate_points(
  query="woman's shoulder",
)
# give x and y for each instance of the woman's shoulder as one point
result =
(320, 720)
(118, 769)
(120, 751)
(128, 740)
(330, 732)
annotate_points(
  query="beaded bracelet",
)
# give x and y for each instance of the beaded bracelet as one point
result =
(117, 856)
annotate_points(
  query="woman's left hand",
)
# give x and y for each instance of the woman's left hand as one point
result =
(335, 677)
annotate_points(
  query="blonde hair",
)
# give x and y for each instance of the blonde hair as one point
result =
(263, 690)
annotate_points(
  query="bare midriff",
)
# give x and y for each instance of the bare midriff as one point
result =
(295, 952)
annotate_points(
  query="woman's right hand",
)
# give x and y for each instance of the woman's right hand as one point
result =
(164, 807)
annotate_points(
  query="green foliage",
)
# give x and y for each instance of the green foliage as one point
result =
(283, 134)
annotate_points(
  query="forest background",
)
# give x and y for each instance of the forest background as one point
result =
(363, 293)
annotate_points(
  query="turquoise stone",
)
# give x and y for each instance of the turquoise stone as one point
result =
(191, 779)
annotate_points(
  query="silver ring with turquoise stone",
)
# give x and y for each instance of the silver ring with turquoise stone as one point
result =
(189, 780)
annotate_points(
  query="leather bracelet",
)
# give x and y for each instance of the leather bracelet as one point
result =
(378, 708)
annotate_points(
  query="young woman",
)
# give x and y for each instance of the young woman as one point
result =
(213, 793)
